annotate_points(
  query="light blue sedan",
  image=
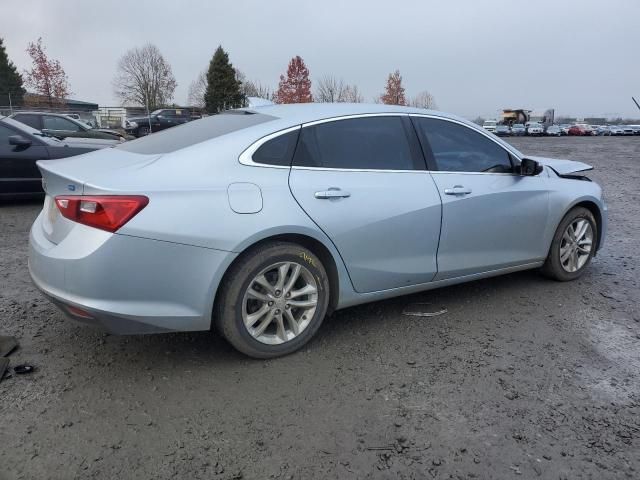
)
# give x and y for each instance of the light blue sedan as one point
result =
(260, 221)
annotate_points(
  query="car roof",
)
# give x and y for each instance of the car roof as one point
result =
(298, 113)
(41, 113)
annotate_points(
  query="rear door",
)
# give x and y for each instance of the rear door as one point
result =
(492, 217)
(18, 171)
(363, 181)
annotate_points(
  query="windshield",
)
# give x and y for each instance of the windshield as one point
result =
(197, 131)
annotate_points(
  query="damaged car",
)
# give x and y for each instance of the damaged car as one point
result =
(259, 222)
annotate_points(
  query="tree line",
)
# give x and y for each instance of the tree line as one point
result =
(145, 78)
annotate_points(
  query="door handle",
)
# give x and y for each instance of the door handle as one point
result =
(331, 193)
(457, 190)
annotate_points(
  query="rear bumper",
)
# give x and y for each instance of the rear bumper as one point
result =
(127, 284)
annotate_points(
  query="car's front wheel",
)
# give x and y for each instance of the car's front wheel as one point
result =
(573, 246)
(273, 301)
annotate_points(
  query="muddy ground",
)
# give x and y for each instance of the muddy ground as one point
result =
(522, 378)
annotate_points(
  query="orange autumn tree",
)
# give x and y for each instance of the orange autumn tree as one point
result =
(394, 91)
(46, 77)
(296, 86)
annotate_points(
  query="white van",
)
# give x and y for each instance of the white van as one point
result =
(490, 125)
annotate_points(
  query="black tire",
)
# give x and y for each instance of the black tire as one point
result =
(230, 300)
(552, 267)
(143, 131)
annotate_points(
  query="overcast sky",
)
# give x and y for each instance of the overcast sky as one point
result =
(476, 57)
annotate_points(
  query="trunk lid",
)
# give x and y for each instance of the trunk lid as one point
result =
(68, 176)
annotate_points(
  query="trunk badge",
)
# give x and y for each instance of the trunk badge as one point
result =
(71, 188)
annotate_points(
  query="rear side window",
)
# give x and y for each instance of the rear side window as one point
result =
(32, 120)
(457, 148)
(376, 143)
(277, 151)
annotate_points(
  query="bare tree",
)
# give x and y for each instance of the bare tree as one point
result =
(333, 90)
(144, 78)
(329, 90)
(256, 89)
(351, 94)
(423, 100)
(197, 89)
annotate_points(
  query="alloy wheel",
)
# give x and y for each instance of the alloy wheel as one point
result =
(576, 244)
(280, 302)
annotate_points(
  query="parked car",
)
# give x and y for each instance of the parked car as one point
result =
(580, 130)
(564, 129)
(554, 131)
(156, 121)
(324, 206)
(616, 130)
(63, 126)
(603, 131)
(635, 128)
(518, 129)
(535, 129)
(503, 130)
(628, 130)
(490, 125)
(21, 146)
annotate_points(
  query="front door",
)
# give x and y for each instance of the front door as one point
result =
(19, 173)
(363, 182)
(492, 218)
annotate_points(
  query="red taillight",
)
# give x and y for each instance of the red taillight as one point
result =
(107, 212)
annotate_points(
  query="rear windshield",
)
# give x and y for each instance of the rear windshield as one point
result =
(197, 131)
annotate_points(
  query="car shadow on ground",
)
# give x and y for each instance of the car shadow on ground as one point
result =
(375, 319)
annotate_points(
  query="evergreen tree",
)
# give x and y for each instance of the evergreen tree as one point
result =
(10, 80)
(223, 88)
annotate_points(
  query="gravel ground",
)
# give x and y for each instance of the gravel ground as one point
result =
(522, 378)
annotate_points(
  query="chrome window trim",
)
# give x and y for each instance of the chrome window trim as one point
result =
(246, 157)
(372, 170)
(357, 115)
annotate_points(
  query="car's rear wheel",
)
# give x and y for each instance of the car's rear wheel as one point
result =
(274, 300)
(573, 246)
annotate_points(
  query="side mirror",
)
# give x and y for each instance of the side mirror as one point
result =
(530, 167)
(19, 141)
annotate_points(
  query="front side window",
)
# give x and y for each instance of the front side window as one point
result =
(374, 143)
(457, 148)
(58, 123)
(278, 150)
